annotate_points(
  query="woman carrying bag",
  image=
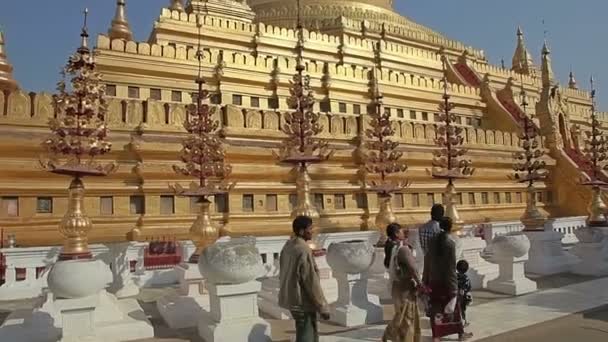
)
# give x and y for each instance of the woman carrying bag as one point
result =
(405, 282)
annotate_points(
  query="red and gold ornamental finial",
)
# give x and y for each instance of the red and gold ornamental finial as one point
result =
(302, 147)
(78, 136)
(529, 167)
(203, 158)
(449, 159)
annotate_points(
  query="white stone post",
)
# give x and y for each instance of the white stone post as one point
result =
(184, 308)
(592, 250)
(121, 255)
(231, 269)
(547, 255)
(350, 262)
(480, 271)
(234, 315)
(510, 252)
(355, 306)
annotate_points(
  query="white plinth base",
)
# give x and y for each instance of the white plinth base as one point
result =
(480, 271)
(78, 317)
(511, 278)
(593, 258)
(355, 306)
(234, 315)
(180, 311)
(546, 255)
(129, 290)
(183, 309)
(114, 321)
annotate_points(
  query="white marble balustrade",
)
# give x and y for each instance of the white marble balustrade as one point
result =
(32, 258)
(494, 229)
(567, 226)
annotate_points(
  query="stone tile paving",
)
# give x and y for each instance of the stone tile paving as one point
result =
(487, 312)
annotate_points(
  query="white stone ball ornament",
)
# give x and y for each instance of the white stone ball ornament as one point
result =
(78, 278)
(236, 261)
(350, 257)
(512, 245)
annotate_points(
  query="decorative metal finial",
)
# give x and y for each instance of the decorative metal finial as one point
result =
(448, 159)
(300, 43)
(382, 159)
(529, 166)
(84, 34)
(596, 151)
(302, 147)
(79, 134)
(204, 159)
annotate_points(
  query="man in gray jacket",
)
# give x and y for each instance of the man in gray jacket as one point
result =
(300, 291)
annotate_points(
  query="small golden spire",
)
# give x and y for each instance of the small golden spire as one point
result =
(572, 81)
(522, 60)
(177, 5)
(120, 26)
(548, 77)
(7, 82)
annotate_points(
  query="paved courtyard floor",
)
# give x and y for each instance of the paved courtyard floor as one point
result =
(566, 309)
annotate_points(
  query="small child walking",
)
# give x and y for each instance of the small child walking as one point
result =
(464, 288)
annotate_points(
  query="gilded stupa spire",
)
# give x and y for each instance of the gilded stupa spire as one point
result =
(572, 81)
(522, 60)
(120, 25)
(546, 68)
(7, 82)
(177, 5)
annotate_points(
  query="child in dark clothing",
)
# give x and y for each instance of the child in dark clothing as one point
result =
(464, 288)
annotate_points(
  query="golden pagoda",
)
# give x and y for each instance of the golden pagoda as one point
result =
(249, 53)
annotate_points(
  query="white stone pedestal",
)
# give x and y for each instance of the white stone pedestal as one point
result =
(592, 250)
(480, 271)
(511, 278)
(546, 255)
(78, 317)
(355, 306)
(183, 309)
(114, 320)
(121, 254)
(233, 315)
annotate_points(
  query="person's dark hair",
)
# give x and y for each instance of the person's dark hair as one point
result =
(462, 266)
(300, 223)
(437, 212)
(445, 224)
(441, 240)
(392, 229)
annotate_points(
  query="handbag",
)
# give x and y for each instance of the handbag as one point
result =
(451, 306)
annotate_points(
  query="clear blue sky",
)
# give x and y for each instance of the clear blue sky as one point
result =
(42, 33)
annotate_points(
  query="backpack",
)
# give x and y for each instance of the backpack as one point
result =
(394, 271)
